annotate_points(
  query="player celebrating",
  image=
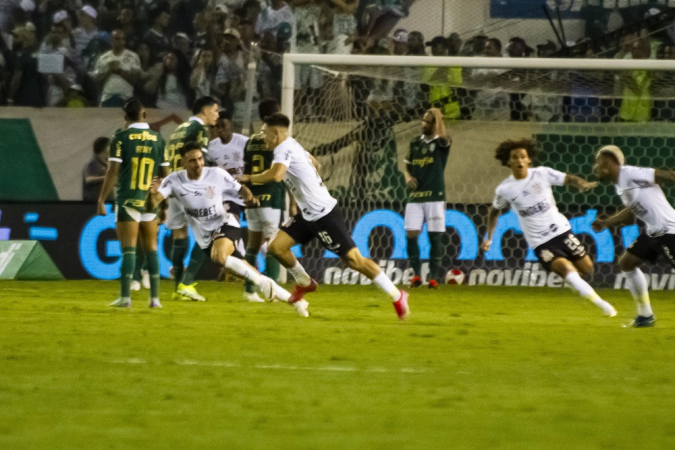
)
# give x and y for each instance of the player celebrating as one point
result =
(318, 217)
(528, 192)
(199, 190)
(263, 220)
(136, 155)
(205, 112)
(424, 175)
(641, 194)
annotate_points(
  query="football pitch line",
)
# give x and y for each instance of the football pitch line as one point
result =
(190, 362)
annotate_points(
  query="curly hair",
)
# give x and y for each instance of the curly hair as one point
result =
(503, 152)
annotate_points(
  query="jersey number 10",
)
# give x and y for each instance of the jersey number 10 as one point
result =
(141, 173)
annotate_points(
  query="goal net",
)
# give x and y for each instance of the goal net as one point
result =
(358, 114)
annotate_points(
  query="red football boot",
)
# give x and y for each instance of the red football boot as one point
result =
(401, 306)
(300, 291)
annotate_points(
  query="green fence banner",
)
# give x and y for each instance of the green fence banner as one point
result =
(26, 260)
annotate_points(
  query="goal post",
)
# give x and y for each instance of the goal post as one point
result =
(361, 115)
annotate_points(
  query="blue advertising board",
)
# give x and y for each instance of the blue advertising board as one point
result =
(532, 9)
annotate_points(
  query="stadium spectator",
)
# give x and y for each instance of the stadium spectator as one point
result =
(246, 30)
(156, 37)
(400, 41)
(664, 87)
(116, 72)
(344, 26)
(492, 101)
(443, 82)
(308, 80)
(26, 86)
(230, 77)
(74, 98)
(87, 30)
(181, 42)
(269, 68)
(416, 44)
(383, 15)
(125, 21)
(203, 77)
(149, 71)
(274, 15)
(202, 37)
(454, 44)
(94, 172)
(172, 89)
(57, 42)
(636, 103)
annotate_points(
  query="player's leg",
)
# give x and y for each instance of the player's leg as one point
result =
(414, 219)
(187, 287)
(630, 263)
(295, 231)
(176, 221)
(434, 213)
(567, 270)
(127, 233)
(253, 244)
(270, 226)
(140, 262)
(149, 229)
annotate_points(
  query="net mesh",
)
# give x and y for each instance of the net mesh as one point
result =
(360, 120)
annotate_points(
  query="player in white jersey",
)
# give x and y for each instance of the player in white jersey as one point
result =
(318, 215)
(200, 191)
(528, 192)
(641, 194)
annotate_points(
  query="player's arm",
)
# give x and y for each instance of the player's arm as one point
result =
(664, 176)
(579, 183)
(410, 181)
(156, 126)
(155, 196)
(248, 197)
(108, 184)
(274, 174)
(493, 216)
(623, 216)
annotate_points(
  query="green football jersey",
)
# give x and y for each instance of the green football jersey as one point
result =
(192, 130)
(257, 159)
(426, 163)
(140, 152)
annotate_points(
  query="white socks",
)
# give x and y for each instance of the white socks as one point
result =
(637, 283)
(586, 291)
(242, 269)
(282, 294)
(301, 277)
(384, 283)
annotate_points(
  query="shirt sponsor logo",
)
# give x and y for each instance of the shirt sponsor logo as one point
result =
(535, 209)
(423, 161)
(144, 136)
(201, 212)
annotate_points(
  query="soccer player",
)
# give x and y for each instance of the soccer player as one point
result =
(528, 192)
(199, 191)
(641, 193)
(205, 112)
(263, 220)
(425, 177)
(318, 215)
(136, 155)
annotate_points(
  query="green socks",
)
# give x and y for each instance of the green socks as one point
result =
(251, 258)
(272, 268)
(177, 256)
(153, 268)
(436, 255)
(127, 270)
(197, 258)
(414, 256)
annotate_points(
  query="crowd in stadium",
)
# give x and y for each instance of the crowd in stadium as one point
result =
(100, 53)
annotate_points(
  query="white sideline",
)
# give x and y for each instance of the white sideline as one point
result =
(189, 362)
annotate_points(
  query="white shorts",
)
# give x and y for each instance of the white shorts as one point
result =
(433, 213)
(265, 220)
(175, 215)
(136, 215)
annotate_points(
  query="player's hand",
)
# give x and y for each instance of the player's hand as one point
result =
(485, 246)
(245, 179)
(100, 209)
(253, 202)
(156, 183)
(586, 185)
(411, 182)
(161, 215)
(598, 225)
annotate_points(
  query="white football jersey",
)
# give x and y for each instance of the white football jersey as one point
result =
(532, 200)
(230, 157)
(303, 180)
(639, 192)
(202, 200)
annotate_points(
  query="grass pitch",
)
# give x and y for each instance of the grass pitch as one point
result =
(507, 368)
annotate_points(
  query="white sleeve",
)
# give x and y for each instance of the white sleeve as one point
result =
(283, 155)
(229, 183)
(167, 186)
(499, 202)
(642, 176)
(555, 177)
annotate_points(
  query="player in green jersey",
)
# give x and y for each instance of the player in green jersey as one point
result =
(424, 175)
(263, 221)
(196, 129)
(136, 155)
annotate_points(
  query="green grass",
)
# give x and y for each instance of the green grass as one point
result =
(480, 368)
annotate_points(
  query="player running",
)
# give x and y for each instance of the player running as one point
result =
(318, 217)
(424, 172)
(528, 192)
(196, 129)
(263, 220)
(136, 155)
(199, 191)
(641, 193)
